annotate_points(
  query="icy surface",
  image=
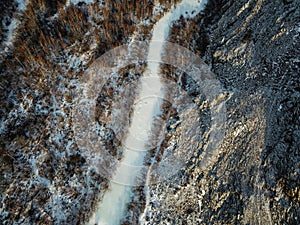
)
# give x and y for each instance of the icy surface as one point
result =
(112, 208)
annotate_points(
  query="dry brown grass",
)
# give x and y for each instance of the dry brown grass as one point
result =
(40, 42)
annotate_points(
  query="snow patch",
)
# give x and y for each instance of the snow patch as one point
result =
(10, 33)
(158, 9)
(22, 5)
(78, 1)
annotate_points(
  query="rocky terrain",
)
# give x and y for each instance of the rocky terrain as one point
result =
(253, 48)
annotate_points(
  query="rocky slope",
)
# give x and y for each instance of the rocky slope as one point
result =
(253, 48)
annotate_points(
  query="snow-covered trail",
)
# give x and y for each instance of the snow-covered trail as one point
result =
(111, 209)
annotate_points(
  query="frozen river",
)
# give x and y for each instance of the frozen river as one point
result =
(112, 208)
